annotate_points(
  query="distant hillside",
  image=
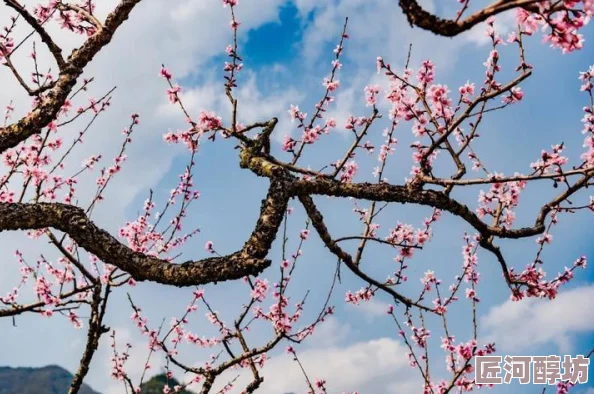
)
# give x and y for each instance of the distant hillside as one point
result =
(47, 380)
(56, 380)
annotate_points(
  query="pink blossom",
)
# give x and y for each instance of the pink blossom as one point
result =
(371, 92)
(515, 95)
(348, 171)
(173, 94)
(331, 85)
(165, 73)
(260, 290)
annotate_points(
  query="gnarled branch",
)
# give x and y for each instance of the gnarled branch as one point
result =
(250, 260)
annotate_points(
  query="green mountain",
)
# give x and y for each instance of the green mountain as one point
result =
(47, 380)
(56, 380)
(156, 383)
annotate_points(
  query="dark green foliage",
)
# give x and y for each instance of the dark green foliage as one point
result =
(47, 380)
(156, 383)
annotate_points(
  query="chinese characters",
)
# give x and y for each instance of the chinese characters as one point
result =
(539, 369)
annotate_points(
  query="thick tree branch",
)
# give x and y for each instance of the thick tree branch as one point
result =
(417, 16)
(70, 71)
(250, 260)
(404, 195)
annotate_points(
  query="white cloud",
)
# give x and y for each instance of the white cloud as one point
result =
(376, 28)
(376, 366)
(331, 332)
(370, 367)
(504, 24)
(519, 326)
(253, 105)
(372, 309)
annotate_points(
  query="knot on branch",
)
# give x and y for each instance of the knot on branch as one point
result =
(417, 16)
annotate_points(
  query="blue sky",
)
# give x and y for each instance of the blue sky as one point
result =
(287, 49)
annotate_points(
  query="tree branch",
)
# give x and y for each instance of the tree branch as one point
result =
(250, 260)
(402, 194)
(317, 220)
(55, 50)
(417, 16)
(70, 71)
